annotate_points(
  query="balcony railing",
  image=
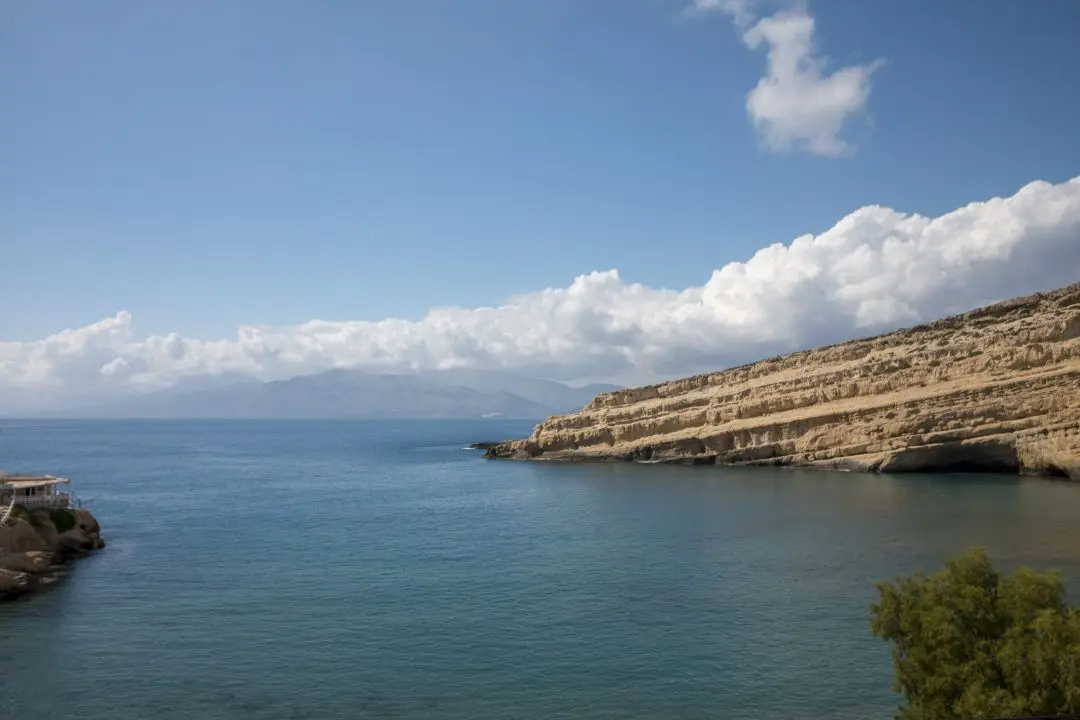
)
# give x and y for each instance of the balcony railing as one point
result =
(59, 500)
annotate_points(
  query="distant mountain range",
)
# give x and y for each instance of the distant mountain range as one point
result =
(356, 394)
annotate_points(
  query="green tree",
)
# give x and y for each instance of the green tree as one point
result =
(969, 642)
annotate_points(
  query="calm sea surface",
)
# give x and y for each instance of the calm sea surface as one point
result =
(377, 570)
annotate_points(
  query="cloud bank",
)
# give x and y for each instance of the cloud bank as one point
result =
(876, 269)
(798, 104)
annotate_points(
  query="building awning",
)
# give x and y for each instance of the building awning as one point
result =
(21, 482)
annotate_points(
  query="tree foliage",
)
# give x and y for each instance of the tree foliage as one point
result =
(969, 642)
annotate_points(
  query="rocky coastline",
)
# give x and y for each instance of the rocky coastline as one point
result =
(993, 390)
(37, 547)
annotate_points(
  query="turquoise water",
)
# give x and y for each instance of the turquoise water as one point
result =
(377, 570)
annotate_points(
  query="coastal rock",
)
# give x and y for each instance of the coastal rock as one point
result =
(28, 562)
(33, 544)
(87, 522)
(19, 536)
(993, 390)
(77, 542)
(42, 522)
(14, 584)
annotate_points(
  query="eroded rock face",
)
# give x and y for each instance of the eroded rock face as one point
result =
(27, 562)
(32, 546)
(13, 584)
(19, 536)
(996, 389)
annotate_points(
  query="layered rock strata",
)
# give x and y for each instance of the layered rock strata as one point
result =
(996, 389)
(36, 546)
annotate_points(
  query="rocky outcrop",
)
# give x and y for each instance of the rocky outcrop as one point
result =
(996, 389)
(35, 546)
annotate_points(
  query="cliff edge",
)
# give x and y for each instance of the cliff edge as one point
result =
(993, 390)
(36, 545)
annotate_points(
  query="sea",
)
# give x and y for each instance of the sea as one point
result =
(371, 569)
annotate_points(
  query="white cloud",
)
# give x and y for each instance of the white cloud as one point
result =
(115, 367)
(875, 269)
(741, 11)
(799, 103)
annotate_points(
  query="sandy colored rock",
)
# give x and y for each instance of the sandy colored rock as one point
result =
(996, 389)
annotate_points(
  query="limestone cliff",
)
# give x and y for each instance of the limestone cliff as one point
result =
(35, 545)
(996, 389)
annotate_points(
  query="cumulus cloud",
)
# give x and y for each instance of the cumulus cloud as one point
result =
(876, 269)
(799, 103)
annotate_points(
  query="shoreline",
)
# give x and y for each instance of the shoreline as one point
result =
(992, 390)
(958, 459)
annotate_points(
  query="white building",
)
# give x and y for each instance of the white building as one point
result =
(33, 491)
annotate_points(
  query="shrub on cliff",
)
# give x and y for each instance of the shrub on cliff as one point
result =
(63, 519)
(969, 642)
(19, 512)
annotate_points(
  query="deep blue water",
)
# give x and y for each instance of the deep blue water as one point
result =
(377, 570)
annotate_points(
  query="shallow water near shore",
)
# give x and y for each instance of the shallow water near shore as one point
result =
(379, 570)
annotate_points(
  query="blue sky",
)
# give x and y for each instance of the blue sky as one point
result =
(210, 165)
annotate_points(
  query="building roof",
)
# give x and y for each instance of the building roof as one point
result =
(19, 482)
